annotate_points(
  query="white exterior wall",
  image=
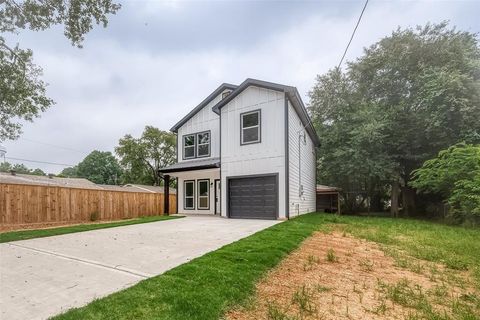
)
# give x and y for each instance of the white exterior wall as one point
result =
(203, 120)
(307, 163)
(265, 157)
(197, 175)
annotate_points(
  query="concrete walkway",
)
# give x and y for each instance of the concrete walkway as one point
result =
(42, 277)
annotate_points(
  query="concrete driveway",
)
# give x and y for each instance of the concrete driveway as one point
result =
(42, 277)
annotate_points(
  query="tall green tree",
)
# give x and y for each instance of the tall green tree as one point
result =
(100, 167)
(22, 92)
(142, 157)
(351, 155)
(425, 82)
(420, 91)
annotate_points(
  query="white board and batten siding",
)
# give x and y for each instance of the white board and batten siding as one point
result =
(266, 157)
(203, 120)
(211, 174)
(302, 167)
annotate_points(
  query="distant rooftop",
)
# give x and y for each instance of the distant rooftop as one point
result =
(322, 188)
(19, 178)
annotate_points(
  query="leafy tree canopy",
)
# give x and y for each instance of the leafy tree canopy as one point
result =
(439, 175)
(143, 157)
(454, 174)
(407, 97)
(22, 92)
(69, 172)
(100, 167)
(20, 168)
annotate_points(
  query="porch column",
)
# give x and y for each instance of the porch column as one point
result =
(166, 194)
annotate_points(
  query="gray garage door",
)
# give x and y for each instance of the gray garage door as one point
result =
(253, 197)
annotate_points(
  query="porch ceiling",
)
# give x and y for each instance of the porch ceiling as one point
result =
(192, 165)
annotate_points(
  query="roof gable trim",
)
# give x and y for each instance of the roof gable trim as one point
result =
(291, 94)
(202, 104)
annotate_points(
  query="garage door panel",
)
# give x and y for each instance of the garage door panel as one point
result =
(253, 197)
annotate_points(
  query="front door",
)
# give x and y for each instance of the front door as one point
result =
(218, 209)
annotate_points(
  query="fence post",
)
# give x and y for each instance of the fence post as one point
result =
(166, 194)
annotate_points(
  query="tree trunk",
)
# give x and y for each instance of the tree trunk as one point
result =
(394, 199)
(376, 203)
(408, 201)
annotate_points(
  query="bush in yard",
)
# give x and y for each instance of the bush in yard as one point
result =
(455, 175)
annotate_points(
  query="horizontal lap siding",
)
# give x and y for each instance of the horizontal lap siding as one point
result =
(32, 204)
(305, 174)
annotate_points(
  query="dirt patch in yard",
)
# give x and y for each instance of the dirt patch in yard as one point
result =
(336, 276)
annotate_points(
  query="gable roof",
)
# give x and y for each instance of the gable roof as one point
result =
(290, 92)
(202, 104)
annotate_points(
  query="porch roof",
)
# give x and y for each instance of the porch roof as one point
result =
(192, 165)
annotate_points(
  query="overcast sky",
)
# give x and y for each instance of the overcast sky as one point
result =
(157, 60)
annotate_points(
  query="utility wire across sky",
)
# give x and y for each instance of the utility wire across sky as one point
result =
(54, 145)
(353, 34)
(44, 162)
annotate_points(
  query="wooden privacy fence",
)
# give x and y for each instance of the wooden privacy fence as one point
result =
(22, 204)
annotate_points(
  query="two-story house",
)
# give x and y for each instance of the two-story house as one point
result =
(246, 151)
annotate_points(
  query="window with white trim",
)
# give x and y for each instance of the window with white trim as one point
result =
(250, 127)
(203, 194)
(189, 146)
(203, 144)
(189, 195)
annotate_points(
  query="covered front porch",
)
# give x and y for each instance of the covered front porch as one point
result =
(198, 186)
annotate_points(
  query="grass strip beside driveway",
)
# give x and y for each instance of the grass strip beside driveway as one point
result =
(207, 286)
(40, 233)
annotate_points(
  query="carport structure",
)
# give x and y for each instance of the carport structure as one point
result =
(328, 198)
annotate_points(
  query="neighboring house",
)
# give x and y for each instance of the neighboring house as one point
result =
(246, 151)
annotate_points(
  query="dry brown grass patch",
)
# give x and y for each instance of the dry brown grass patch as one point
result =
(336, 276)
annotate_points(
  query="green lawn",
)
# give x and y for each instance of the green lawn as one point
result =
(40, 233)
(208, 286)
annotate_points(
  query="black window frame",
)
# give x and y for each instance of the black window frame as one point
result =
(185, 194)
(198, 194)
(195, 145)
(259, 140)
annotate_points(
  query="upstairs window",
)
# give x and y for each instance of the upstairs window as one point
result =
(196, 145)
(250, 127)
(189, 146)
(203, 144)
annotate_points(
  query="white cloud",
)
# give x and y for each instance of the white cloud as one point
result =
(109, 89)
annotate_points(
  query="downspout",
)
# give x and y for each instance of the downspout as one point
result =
(300, 186)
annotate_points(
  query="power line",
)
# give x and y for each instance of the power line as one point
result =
(353, 34)
(54, 145)
(44, 162)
